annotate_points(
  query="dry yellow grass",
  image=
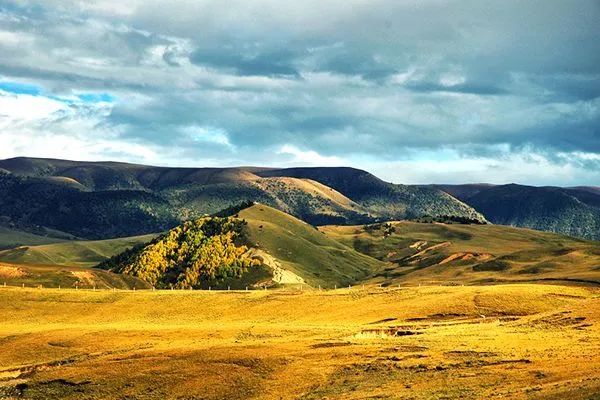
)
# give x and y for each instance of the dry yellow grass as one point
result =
(517, 341)
(471, 254)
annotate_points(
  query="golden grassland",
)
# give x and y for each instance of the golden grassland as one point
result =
(471, 254)
(521, 341)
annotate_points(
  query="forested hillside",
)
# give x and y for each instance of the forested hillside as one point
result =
(188, 256)
(569, 211)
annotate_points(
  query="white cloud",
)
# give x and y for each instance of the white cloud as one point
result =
(19, 108)
(207, 134)
(524, 167)
(308, 157)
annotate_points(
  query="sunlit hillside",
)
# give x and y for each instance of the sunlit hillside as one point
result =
(470, 254)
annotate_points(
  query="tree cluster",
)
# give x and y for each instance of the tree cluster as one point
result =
(202, 250)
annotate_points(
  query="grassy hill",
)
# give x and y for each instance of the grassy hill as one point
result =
(258, 246)
(293, 252)
(384, 199)
(469, 254)
(569, 211)
(305, 251)
(11, 238)
(84, 253)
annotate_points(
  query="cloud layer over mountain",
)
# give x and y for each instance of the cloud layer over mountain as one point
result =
(415, 91)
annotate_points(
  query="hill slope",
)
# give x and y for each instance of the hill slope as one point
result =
(461, 254)
(304, 250)
(57, 204)
(569, 211)
(85, 253)
(258, 245)
(387, 200)
(11, 238)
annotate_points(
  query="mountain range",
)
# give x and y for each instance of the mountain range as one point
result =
(98, 200)
(95, 200)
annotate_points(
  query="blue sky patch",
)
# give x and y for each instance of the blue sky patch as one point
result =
(20, 88)
(96, 97)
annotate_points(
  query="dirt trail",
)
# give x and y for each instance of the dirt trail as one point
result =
(280, 275)
(434, 247)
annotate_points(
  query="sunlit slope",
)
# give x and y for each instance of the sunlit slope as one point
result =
(504, 341)
(306, 199)
(420, 252)
(74, 253)
(54, 276)
(387, 200)
(305, 251)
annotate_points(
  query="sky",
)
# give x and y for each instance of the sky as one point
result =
(426, 91)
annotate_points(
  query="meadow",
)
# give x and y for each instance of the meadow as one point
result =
(520, 341)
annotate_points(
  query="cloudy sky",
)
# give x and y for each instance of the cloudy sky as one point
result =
(413, 91)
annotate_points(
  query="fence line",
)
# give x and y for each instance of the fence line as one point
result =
(348, 289)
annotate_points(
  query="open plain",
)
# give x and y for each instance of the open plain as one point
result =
(520, 341)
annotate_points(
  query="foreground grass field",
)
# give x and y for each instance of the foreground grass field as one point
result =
(512, 341)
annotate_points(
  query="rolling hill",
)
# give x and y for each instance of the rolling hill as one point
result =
(48, 202)
(387, 200)
(289, 251)
(258, 246)
(298, 247)
(96, 200)
(569, 211)
(83, 253)
(11, 238)
(470, 254)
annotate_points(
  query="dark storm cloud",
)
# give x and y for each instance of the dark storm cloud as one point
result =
(250, 62)
(370, 80)
(468, 88)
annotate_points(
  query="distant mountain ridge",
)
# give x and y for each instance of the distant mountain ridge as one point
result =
(108, 199)
(573, 211)
(97, 200)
